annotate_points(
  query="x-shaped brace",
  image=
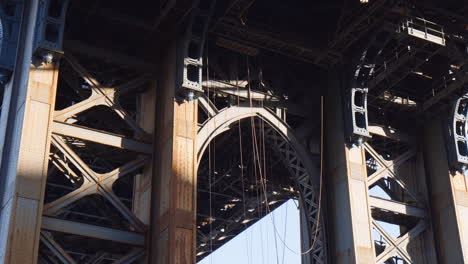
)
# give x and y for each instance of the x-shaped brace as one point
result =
(101, 95)
(94, 183)
(397, 246)
(387, 168)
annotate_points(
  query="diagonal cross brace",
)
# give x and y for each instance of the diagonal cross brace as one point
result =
(101, 137)
(396, 245)
(88, 188)
(102, 96)
(104, 189)
(57, 250)
(389, 167)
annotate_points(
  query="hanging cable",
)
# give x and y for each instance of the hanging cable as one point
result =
(254, 138)
(240, 144)
(262, 127)
(285, 229)
(317, 226)
(241, 160)
(210, 220)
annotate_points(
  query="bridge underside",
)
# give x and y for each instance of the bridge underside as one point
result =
(155, 132)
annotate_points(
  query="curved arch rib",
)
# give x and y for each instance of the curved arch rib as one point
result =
(294, 156)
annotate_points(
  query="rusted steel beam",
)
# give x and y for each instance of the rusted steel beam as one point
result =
(100, 137)
(131, 257)
(460, 80)
(103, 188)
(25, 167)
(449, 196)
(119, 58)
(173, 212)
(389, 133)
(397, 207)
(400, 244)
(346, 172)
(102, 96)
(55, 248)
(87, 230)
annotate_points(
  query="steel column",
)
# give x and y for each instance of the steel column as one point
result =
(173, 234)
(87, 230)
(142, 188)
(449, 197)
(142, 184)
(26, 179)
(26, 119)
(350, 223)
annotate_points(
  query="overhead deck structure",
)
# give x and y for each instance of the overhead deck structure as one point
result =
(156, 131)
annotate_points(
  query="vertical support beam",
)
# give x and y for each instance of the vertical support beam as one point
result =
(26, 187)
(143, 182)
(174, 209)
(449, 197)
(26, 119)
(350, 221)
(421, 247)
(142, 185)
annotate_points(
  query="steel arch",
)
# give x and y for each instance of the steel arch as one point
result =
(294, 155)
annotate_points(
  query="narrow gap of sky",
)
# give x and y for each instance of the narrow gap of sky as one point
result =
(261, 243)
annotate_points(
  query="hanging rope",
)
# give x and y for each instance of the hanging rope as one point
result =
(209, 164)
(285, 229)
(241, 161)
(263, 179)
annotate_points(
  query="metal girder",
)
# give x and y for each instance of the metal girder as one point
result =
(346, 174)
(119, 58)
(401, 56)
(97, 258)
(131, 257)
(28, 104)
(295, 158)
(102, 96)
(194, 44)
(238, 91)
(391, 186)
(398, 245)
(397, 66)
(208, 106)
(449, 189)
(173, 207)
(87, 230)
(390, 133)
(267, 40)
(56, 249)
(89, 187)
(103, 187)
(388, 167)
(309, 194)
(459, 81)
(385, 70)
(234, 225)
(351, 32)
(101, 137)
(221, 122)
(63, 167)
(396, 207)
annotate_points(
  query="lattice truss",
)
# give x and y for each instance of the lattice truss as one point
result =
(97, 151)
(213, 232)
(398, 202)
(309, 196)
(410, 64)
